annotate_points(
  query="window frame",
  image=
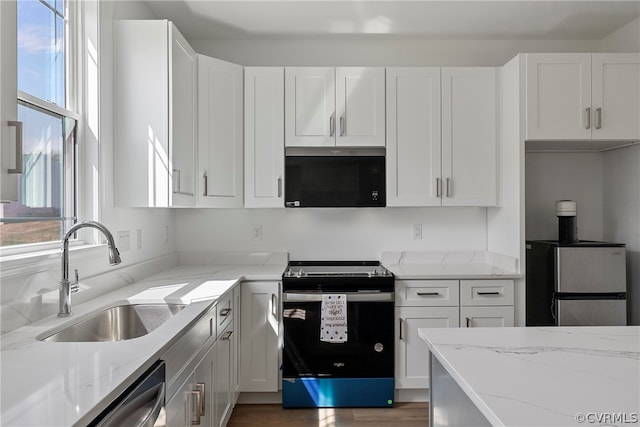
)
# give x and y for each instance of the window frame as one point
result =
(73, 90)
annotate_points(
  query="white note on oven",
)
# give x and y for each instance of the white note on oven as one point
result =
(333, 322)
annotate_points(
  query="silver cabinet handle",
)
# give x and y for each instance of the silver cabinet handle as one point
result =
(203, 401)
(488, 293)
(598, 118)
(588, 120)
(428, 294)
(401, 334)
(227, 336)
(332, 125)
(18, 126)
(196, 393)
(274, 306)
(342, 125)
(176, 179)
(225, 312)
(448, 187)
(438, 192)
(468, 322)
(206, 182)
(279, 186)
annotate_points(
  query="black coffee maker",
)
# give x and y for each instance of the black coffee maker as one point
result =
(567, 223)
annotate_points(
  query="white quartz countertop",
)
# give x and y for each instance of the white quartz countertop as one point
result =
(65, 384)
(554, 376)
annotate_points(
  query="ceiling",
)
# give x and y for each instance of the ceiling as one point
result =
(413, 19)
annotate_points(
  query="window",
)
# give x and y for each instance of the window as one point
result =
(46, 204)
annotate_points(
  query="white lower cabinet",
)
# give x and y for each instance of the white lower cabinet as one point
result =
(443, 304)
(179, 409)
(412, 357)
(486, 303)
(482, 317)
(259, 336)
(222, 393)
(207, 396)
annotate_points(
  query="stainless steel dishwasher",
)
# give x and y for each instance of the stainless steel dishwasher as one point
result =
(141, 405)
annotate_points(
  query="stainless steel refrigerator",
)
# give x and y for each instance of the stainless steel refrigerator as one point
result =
(575, 284)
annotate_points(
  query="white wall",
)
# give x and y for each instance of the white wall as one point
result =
(332, 233)
(626, 39)
(622, 214)
(563, 176)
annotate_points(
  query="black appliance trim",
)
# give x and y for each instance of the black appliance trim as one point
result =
(590, 296)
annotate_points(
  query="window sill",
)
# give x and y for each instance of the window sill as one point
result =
(26, 262)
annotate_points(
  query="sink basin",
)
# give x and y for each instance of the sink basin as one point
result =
(123, 322)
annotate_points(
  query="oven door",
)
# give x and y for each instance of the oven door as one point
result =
(368, 351)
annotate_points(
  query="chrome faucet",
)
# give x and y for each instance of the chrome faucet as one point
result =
(67, 288)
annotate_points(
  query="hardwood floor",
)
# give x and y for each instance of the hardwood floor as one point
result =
(402, 415)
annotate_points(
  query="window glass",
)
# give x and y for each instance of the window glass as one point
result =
(41, 50)
(48, 152)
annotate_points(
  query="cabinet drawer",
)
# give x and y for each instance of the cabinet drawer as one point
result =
(225, 312)
(427, 293)
(486, 317)
(486, 292)
(177, 358)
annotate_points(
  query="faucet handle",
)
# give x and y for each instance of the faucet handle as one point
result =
(75, 286)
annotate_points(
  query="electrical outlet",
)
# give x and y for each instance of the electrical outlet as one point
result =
(256, 232)
(417, 231)
(139, 238)
(124, 240)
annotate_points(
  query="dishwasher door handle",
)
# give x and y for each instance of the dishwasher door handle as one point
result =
(130, 413)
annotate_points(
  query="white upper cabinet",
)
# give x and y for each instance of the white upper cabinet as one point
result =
(580, 96)
(264, 137)
(469, 136)
(328, 107)
(441, 137)
(615, 95)
(220, 155)
(413, 136)
(360, 105)
(155, 115)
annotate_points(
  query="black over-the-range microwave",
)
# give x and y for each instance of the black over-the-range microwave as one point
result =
(335, 177)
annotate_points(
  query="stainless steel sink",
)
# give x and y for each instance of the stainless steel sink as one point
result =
(122, 322)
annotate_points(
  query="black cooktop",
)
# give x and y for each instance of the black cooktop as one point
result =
(337, 276)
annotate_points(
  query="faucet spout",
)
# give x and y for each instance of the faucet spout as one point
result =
(65, 286)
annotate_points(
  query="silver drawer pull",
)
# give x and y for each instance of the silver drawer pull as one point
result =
(468, 322)
(227, 336)
(488, 293)
(196, 393)
(428, 294)
(225, 312)
(598, 118)
(588, 118)
(201, 388)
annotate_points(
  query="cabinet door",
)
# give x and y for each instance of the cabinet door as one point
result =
(181, 409)
(222, 399)
(413, 136)
(469, 134)
(310, 119)
(412, 356)
(204, 386)
(219, 133)
(360, 107)
(259, 327)
(486, 317)
(264, 137)
(8, 101)
(615, 95)
(182, 122)
(235, 347)
(558, 96)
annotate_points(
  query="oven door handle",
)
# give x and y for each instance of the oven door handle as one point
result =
(351, 296)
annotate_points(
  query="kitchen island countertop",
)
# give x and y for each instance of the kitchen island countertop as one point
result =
(551, 376)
